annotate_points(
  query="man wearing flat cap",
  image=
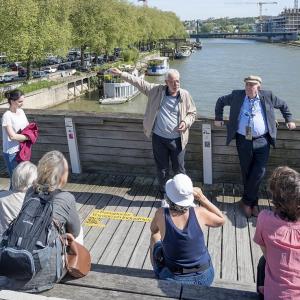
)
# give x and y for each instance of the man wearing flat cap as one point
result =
(252, 123)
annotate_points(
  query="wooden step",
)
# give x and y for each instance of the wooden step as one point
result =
(107, 282)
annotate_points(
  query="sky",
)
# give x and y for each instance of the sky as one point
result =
(200, 9)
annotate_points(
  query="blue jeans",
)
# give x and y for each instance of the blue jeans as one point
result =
(11, 163)
(204, 278)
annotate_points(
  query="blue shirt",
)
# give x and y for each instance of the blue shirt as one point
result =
(252, 114)
(167, 119)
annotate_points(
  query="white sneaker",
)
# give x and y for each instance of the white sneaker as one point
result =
(164, 203)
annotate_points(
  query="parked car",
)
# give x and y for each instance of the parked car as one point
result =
(9, 78)
(50, 69)
(15, 66)
(75, 64)
(64, 66)
(22, 72)
(39, 74)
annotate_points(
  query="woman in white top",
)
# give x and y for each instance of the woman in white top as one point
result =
(13, 120)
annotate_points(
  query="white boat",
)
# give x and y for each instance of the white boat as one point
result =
(183, 52)
(158, 66)
(117, 91)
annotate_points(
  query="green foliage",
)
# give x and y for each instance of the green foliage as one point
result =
(207, 27)
(34, 86)
(130, 55)
(33, 28)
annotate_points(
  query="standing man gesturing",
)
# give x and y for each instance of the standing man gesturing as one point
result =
(170, 112)
(252, 123)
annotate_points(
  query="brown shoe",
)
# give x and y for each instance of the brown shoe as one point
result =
(247, 210)
(255, 211)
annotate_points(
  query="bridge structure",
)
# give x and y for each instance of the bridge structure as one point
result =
(269, 35)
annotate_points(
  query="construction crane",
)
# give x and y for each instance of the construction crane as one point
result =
(144, 1)
(260, 4)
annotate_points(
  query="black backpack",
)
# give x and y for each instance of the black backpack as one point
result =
(31, 249)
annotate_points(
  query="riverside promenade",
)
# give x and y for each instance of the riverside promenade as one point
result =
(114, 184)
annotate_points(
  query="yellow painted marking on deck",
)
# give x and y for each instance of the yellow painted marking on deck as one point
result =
(95, 217)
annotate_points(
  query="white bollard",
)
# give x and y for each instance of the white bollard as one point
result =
(207, 153)
(73, 147)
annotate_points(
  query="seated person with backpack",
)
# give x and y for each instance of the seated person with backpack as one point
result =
(32, 252)
(278, 235)
(177, 242)
(11, 201)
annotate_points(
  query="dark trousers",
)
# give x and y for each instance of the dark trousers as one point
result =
(260, 281)
(253, 157)
(164, 150)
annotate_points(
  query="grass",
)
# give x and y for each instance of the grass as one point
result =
(31, 87)
(34, 86)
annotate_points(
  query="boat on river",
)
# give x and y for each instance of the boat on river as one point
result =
(158, 66)
(118, 91)
(183, 52)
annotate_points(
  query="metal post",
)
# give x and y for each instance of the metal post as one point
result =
(73, 146)
(207, 154)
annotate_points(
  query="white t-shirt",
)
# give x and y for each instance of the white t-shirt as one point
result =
(17, 121)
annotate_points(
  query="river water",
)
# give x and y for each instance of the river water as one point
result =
(217, 69)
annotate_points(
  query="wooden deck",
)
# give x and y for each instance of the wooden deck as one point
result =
(120, 248)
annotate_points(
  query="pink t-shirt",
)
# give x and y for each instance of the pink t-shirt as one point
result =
(282, 242)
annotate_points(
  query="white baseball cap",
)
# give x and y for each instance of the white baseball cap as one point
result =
(180, 190)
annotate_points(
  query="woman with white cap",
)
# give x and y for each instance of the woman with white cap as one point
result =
(178, 250)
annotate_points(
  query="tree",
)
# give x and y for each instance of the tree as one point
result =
(32, 29)
(207, 27)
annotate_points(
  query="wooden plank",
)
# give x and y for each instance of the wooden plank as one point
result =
(110, 134)
(132, 237)
(130, 160)
(229, 255)
(78, 293)
(255, 249)
(118, 188)
(140, 252)
(215, 293)
(215, 234)
(111, 225)
(244, 260)
(123, 227)
(110, 280)
(82, 142)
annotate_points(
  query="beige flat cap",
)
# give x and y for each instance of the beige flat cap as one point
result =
(253, 79)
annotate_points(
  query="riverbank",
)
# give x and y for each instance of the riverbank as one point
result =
(293, 43)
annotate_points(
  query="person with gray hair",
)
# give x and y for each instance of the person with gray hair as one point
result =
(170, 113)
(11, 201)
(52, 176)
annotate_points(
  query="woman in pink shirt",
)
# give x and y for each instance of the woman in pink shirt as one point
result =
(278, 235)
